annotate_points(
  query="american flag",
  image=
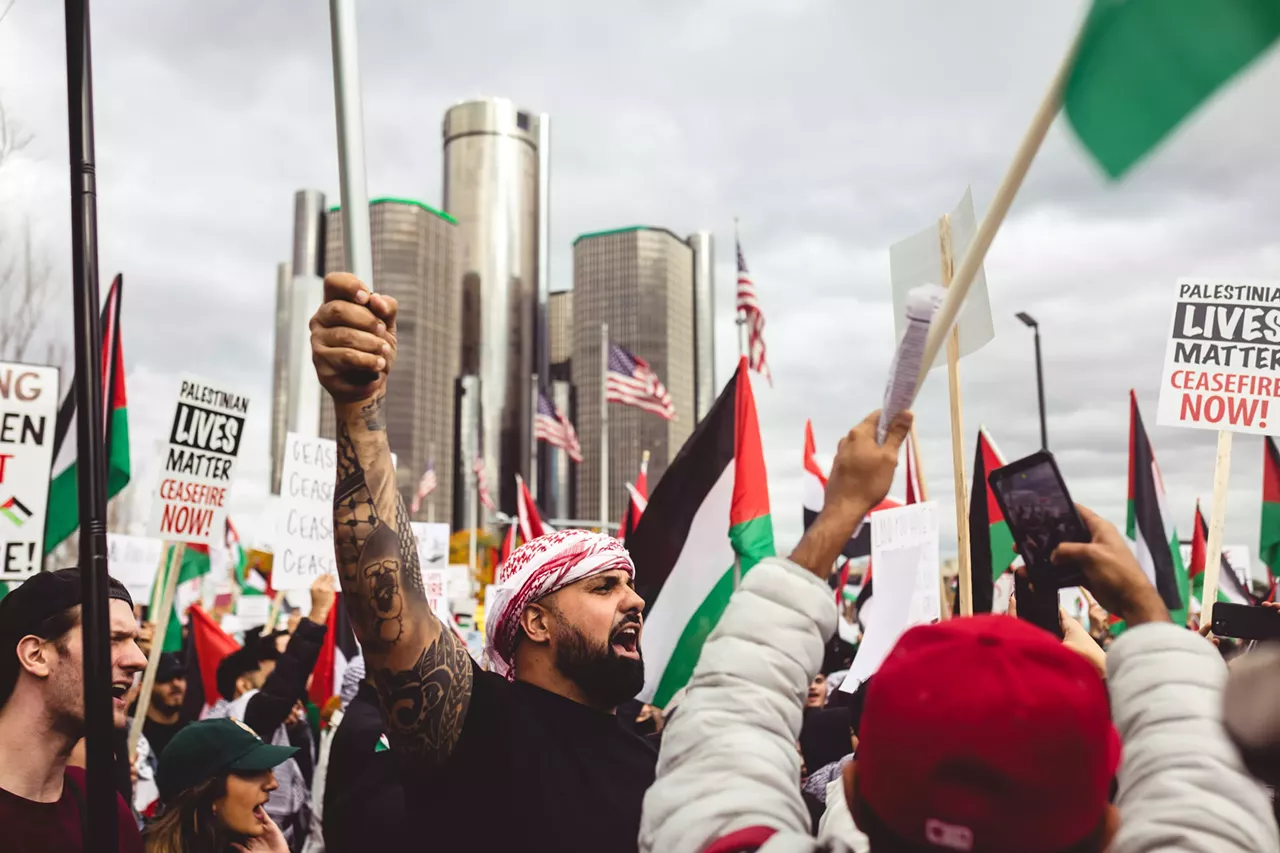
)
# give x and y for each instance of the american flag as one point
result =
(631, 381)
(749, 309)
(554, 428)
(426, 486)
(485, 497)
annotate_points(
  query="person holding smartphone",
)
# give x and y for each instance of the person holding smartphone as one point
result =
(981, 734)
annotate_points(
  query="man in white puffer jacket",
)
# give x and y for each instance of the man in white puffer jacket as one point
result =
(728, 772)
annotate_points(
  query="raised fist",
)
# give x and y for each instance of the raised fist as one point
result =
(353, 339)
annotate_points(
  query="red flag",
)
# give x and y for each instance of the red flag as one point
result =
(322, 684)
(913, 476)
(1199, 546)
(206, 648)
(531, 526)
(637, 500)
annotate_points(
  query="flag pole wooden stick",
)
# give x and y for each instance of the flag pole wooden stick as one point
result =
(1217, 520)
(957, 435)
(962, 280)
(160, 621)
(274, 615)
(915, 459)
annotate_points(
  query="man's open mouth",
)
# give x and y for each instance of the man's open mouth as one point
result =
(119, 689)
(626, 642)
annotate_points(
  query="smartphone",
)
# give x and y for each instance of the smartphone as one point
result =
(1038, 606)
(1244, 622)
(1041, 516)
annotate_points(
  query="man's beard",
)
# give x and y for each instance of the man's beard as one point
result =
(608, 678)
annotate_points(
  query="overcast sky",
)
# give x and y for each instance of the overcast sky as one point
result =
(831, 129)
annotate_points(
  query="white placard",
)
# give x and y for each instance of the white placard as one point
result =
(908, 565)
(917, 260)
(435, 582)
(254, 608)
(304, 515)
(134, 561)
(199, 463)
(433, 543)
(1222, 362)
(28, 414)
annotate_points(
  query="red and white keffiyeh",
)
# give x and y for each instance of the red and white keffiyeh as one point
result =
(535, 570)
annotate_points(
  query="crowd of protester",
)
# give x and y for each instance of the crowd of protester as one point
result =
(984, 734)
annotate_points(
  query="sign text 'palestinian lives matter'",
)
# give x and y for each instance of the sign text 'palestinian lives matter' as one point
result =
(1222, 365)
(28, 409)
(195, 481)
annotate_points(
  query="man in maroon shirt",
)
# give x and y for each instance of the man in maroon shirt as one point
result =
(42, 711)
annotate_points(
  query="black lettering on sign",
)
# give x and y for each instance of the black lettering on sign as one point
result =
(21, 429)
(205, 429)
(1240, 324)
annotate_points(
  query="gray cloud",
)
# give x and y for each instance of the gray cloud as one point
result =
(830, 129)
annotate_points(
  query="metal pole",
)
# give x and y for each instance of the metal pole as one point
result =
(100, 792)
(533, 438)
(604, 425)
(357, 250)
(1044, 431)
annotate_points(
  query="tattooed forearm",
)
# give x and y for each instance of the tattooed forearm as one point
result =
(427, 704)
(422, 672)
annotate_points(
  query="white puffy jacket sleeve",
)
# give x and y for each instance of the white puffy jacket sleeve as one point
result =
(729, 758)
(1183, 787)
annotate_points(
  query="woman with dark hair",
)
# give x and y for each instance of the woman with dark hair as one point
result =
(214, 777)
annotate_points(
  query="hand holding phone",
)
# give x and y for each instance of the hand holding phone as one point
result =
(1041, 516)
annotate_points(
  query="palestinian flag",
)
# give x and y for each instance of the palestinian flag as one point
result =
(1269, 542)
(208, 646)
(1148, 525)
(990, 541)
(194, 565)
(638, 499)
(1230, 589)
(1145, 65)
(336, 651)
(707, 520)
(814, 495)
(64, 504)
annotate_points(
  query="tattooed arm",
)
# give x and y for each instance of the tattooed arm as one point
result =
(421, 670)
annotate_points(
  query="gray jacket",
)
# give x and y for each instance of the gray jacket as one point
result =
(729, 762)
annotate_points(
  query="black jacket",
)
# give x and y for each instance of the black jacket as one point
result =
(363, 795)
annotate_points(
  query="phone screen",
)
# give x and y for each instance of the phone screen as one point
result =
(1040, 514)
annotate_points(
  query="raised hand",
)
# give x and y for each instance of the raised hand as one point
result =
(353, 339)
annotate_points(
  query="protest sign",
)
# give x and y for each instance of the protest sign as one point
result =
(204, 440)
(904, 551)
(28, 411)
(304, 514)
(435, 583)
(1222, 361)
(919, 259)
(135, 562)
(433, 543)
(254, 608)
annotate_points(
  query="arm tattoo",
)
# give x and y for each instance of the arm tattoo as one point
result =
(421, 671)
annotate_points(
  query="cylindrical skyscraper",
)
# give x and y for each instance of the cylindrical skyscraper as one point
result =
(704, 326)
(491, 182)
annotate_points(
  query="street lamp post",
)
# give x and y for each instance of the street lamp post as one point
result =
(1028, 320)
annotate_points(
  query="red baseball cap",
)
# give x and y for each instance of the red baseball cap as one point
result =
(987, 735)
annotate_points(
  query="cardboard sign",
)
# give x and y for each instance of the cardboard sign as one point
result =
(134, 561)
(917, 260)
(904, 551)
(435, 583)
(304, 514)
(199, 463)
(1222, 364)
(28, 413)
(433, 544)
(254, 608)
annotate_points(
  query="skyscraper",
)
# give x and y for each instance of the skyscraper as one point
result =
(415, 260)
(704, 326)
(295, 282)
(639, 280)
(493, 167)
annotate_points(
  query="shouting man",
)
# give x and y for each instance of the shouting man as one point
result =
(530, 754)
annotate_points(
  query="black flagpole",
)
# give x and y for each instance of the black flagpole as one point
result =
(100, 795)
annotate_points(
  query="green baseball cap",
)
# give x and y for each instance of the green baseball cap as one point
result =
(204, 749)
